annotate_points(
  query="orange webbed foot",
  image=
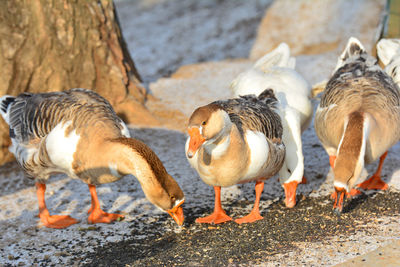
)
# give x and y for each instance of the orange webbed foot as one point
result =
(290, 193)
(99, 216)
(354, 192)
(374, 183)
(57, 221)
(251, 217)
(215, 218)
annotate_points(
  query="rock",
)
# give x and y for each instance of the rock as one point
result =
(175, 98)
(316, 68)
(296, 23)
(387, 255)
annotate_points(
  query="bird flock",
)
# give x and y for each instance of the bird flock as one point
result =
(248, 138)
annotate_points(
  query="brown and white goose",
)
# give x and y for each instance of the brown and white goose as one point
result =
(236, 141)
(78, 133)
(358, 120)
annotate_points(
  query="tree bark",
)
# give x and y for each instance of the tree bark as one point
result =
(61, 44)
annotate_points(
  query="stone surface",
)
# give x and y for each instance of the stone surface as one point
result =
(175, 98)
(164, 35)
(387, 256)
(315, 27)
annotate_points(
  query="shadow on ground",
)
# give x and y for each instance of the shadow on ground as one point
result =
(311, 221)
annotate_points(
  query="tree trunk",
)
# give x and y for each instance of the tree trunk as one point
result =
(57, 45)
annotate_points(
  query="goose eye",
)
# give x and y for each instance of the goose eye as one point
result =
(203, 123)
(173, 198)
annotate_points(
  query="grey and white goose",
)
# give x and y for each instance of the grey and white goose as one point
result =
(236, 141)
(78, 133)
(357, 120)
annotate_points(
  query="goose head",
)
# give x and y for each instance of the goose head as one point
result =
(136, 158)
(207, 125)
(168, 197)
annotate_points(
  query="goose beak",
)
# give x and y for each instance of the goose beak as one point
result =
(177, 213)
(339, 199)
(196, 140)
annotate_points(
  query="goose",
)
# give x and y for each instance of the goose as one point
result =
(77, 132)
(357, 121)
(276, 70)
(236, 141)
(388, 51)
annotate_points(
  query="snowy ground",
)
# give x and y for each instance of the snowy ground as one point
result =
(163, 36)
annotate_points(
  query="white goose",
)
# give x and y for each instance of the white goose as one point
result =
(276, 70)
(78, 133)
(236, 141)
(357, 120)
(388, 51)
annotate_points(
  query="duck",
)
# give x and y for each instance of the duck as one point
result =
(78, 133)
(388, 51)
(357, 121)
(276, 70)
(236, 141)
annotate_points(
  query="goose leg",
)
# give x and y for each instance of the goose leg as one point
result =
(332, 161)
(254, 215)
(219, 215)
(375, 181)
(51, 221)
(290, 192)
(96, 214)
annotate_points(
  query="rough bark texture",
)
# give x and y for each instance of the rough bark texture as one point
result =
(57, 45)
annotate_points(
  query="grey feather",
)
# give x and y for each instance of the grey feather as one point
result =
(35, 115)
(254, 113)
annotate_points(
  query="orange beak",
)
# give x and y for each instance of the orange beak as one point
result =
(339, 198)
(196, 140)
(177, 213)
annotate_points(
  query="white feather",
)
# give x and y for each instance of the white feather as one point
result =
(259, 152)
(387, 49)
(346, 55)
(61, 148)
(293, 167)
(389, 53)
(125, 130)
(361, 158)
(5, 115)
(217, 151)
(113, 167)
(276, 70)
(341, 185)
(22, 152)
(279, 57)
